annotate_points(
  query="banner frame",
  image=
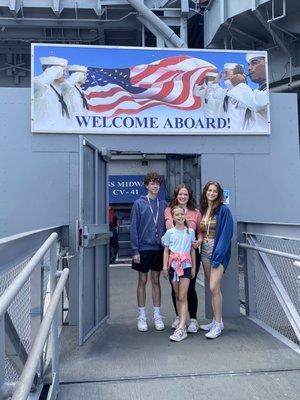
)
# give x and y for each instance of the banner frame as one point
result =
(129, 131)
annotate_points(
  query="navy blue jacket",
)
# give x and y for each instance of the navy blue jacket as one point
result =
(142, 229)
(224, 231)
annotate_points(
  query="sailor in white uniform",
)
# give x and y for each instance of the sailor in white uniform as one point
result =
(50, 108)
(211, 94)
(231, 107)
(257, 100)
(73, 92)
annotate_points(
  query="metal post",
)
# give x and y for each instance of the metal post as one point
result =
(2, 355)
(183, 30)
(160, 41)
(42, 304)
(254, 4)
(143, 36)
(250, 283)
(54, 326)
(10, 293)
(157, 23)
(225, 42)
(222, 12)
(297, 264)
(27, 376)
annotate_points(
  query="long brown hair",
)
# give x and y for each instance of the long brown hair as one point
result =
(216, 203)
(191, 204)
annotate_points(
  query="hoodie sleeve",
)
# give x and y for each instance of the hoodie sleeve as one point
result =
(224, 240)
(134, 223)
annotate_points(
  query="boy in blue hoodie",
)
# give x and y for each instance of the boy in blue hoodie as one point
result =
(147, 229)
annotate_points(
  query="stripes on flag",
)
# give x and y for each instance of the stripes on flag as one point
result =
(168, 82)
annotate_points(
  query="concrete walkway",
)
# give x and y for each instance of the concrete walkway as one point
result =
(120, 363)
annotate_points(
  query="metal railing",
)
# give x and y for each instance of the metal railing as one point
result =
(272, 284)
(29, 376)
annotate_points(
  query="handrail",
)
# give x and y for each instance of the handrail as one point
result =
(24, 385)
(49, 321)
(272, 223)
(269, 251)
(10, 293)
(296, 263)
(278, 288)
(271, 236)
(22, 235)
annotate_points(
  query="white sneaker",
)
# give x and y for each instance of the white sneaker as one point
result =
(142, 324)
(178, 335)
(214, 332)
(158, 322)
(175, 324)
(210, 325)
(193, 326)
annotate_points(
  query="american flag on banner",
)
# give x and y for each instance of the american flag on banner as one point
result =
(170, 82)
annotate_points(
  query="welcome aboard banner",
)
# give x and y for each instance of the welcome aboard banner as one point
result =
(113, 90)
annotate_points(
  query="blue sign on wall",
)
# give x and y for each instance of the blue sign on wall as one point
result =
(226, 196)
(128, 188)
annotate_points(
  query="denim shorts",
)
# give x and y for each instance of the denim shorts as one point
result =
(206, 249)
(187, 273)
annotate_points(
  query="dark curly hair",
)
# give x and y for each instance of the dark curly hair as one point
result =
(152, 176)
(217, 202)
(191, 204)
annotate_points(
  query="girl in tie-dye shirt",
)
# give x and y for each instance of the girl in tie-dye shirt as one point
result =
(179, 265)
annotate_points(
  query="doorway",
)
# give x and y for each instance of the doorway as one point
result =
(126, 173)
(90, 281)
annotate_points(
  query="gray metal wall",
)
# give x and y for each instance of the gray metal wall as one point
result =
(220, 10)
(133, 166)
(267, 186)
(36, 170)
(34, 185)
(39, 172)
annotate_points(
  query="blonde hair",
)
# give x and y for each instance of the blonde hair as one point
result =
(179, 206)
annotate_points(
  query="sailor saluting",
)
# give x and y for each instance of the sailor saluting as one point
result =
(72, 90)
(255, 100)
(49, 103)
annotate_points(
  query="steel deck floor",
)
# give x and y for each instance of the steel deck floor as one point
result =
(119, 362)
